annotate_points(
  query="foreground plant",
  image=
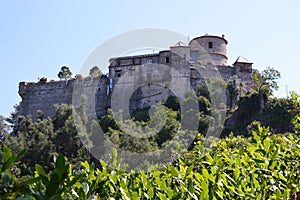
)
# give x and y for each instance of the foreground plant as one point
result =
(264, 166)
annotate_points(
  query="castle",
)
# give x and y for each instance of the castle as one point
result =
(141, 80)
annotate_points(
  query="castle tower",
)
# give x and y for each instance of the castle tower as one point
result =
(180, 57)
(209, 49)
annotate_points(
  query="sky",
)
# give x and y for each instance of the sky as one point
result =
(38, 37)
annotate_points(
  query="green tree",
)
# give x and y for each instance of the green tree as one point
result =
(48, 137)
(204, 114)
(170, 128)
(141, 114)
(107, 121)
(13, 118)
(265, 83)
(190, 112)
(295, 98)
(64, 73)
(233, 91)
(202, 90)
(204, 105)
(95, 72)
(277, 115)
(36, 139)
(173, 103)
(4, 127)
(67, 141)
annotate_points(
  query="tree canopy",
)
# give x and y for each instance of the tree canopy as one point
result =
(95, 72)
(64, 73)
(264, 82)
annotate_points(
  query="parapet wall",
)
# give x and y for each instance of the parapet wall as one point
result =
(44, 95)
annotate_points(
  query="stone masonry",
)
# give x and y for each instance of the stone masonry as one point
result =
(141, 80)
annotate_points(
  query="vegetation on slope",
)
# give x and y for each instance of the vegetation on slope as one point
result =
(263, 166)
(249, 162)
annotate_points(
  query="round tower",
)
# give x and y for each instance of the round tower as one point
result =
(210, 49)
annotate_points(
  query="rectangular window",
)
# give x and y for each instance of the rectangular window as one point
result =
(149, 61)
(210, 45)
(167, 60)
(118, 73)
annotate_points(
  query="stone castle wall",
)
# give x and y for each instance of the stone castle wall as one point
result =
(135, 82)
(45, 95)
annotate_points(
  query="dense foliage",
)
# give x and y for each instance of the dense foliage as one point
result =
(261, 167)
(49, 159)
(45, 138)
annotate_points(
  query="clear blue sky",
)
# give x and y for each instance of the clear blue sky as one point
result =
(38, 37)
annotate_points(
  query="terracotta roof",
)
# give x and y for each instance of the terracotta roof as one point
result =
(241, 59)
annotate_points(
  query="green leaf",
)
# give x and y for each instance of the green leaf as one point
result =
(236, 174)
(162, 196)
(255, 135)
(8, 163)
(207, 175)
(204, 192)
(189, 169)
(267, 144)
(6, 153)
(114, 153)
(74, 180)
(21, 154)
(86, 165)
(278, 194)
(60, 167)
(174, 171)
(163, 185)
(53, 185)
(150, 192)
(28, 181)
(255, 182)
(170, 193)
(103, 164)
(282, 177)
(40, 171)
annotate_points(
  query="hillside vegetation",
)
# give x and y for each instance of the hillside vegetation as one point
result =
(256, 157)
(263, 166)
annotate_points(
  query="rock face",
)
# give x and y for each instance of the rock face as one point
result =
(139, 81)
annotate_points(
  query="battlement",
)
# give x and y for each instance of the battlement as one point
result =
(44, 95)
